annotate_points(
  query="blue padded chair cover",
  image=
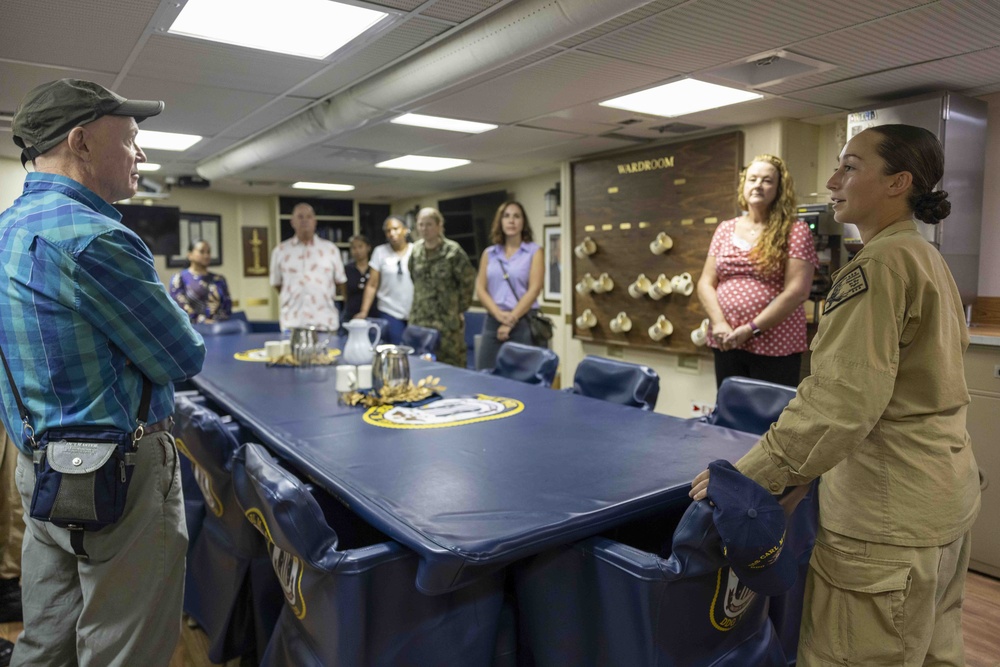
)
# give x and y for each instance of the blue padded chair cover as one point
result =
(234, 607)
(194, 502)
(473, 327)
(750, 405)
(423, 340)
(222, 328)
(601, 602)
(617, 382)
(526, 363)
(350, 598)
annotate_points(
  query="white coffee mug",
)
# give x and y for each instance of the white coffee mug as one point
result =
(365, 376)
(640, 287)
(621, 323)
(347, 377)
(286, 348)
(585, 248)
(587, 319)
(661, 244)
(660, 288)
(661, 328)
(700, 335)
(682, 283)
(272, 349)
(603, 284)
(586, 285)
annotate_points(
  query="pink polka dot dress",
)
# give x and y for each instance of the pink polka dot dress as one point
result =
(743, 291)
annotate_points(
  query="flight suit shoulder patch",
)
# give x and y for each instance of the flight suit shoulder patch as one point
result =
(848, 287)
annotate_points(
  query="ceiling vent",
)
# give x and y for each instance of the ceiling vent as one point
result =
(677, 128)
(765, 69)
(629, 121)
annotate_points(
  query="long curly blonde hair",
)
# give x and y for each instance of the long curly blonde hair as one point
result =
(771, 253)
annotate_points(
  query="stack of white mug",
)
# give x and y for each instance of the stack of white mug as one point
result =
(353, 378)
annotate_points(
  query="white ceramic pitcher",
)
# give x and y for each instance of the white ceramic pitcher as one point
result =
(359, 346)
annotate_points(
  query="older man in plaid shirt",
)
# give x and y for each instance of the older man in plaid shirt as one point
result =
(83, 316)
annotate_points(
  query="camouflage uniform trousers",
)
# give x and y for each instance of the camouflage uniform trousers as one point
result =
(453, 349)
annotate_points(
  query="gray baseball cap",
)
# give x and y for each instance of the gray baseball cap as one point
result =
(49, 113)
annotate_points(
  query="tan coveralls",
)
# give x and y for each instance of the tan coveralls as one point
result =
(882, 419)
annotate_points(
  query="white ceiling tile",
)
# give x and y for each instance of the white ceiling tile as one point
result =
(628, 18)
(205, 63)
(566, 80)
(85, 34)
(502, 142)
(966, 72)
(398, 42)
(563, 124)
(458, 10)
(399, 139)
(959, 26)
(703, 34)
(273, 112)
(193, 109)
(19, 78)
(405, 5)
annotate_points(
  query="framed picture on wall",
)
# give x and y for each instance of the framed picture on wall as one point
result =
(196, 227)
(553, 263)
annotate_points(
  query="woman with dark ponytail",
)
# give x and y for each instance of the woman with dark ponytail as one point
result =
(882, 420)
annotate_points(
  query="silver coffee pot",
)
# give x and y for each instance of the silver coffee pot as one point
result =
(391, 366)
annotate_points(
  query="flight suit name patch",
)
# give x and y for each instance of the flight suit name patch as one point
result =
(849, 286)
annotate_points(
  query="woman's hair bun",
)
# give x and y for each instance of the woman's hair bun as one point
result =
(932, 207)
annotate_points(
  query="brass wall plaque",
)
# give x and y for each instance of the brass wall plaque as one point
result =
(625, 225)
(605, 228)
(680, 181)
(687, 221)
(711, 221)
(256, 254)
(613, 191)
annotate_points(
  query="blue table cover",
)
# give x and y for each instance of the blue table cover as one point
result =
(470, 499)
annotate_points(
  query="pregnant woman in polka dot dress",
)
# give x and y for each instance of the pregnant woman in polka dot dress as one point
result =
(757, 275)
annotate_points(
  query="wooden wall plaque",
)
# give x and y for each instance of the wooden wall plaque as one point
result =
(622, 202)
(256, 254)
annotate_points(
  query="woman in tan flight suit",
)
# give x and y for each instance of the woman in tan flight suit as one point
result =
(882, 419)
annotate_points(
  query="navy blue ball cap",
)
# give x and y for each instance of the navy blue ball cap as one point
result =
(751, 524)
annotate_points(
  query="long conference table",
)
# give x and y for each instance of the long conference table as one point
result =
(471, 498)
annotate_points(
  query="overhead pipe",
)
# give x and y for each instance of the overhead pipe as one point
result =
(513, 32)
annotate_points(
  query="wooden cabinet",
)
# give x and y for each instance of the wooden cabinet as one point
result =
(334, 218)
(467, 220)
(981, 362)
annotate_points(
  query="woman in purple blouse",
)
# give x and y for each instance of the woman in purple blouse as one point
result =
(509, 282)
(203, 295)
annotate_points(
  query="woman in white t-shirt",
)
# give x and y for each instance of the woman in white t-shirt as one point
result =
(389, 281)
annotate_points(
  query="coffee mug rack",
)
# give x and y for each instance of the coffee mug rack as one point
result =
(642, 225)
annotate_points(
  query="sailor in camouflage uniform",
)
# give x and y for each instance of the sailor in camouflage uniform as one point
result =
(443, 279)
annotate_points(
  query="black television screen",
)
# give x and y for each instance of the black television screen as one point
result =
(158, 226)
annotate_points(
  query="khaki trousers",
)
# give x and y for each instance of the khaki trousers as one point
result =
(876, 604)
(122, 606)
(11, 515)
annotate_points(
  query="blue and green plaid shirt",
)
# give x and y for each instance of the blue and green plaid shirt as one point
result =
(80, 301)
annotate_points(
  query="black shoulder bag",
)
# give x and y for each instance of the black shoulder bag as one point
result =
(540, 324)
(82, 473)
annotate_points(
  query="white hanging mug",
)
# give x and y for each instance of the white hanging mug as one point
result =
(586, 285)
(585, 248)
(586, 320)
(660, 288)
(661, 328)
(640, 287)
(661, 244)
(621, 323)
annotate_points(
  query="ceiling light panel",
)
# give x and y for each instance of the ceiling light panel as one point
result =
(332, 187)
(422, 163)
(148, 166)
(306, 28)
(440, 123)
(680, 98)
(166, 141)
